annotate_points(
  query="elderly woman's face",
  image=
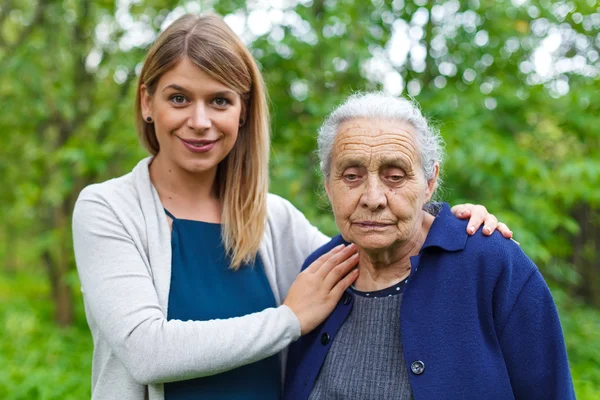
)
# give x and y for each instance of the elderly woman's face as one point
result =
(377, 187)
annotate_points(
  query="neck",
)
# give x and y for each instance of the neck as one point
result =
(184, 193)
(383, 268)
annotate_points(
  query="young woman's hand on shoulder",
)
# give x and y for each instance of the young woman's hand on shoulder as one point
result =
(317, 290)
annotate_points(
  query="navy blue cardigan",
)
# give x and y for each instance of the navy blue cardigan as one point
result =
(477, 321)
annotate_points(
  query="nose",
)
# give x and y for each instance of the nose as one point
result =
(199, 120)
(373, 197)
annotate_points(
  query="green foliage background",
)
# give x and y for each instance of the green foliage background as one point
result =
(513, 85)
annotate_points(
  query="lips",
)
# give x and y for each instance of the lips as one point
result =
(372, 224)
(198, 145)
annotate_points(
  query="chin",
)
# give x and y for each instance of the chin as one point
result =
(199, 166)
(371, 241)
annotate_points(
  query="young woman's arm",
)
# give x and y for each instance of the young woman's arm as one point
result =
(122, 302)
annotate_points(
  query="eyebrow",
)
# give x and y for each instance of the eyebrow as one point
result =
(175, 86)
(347, 162)
(401, 162)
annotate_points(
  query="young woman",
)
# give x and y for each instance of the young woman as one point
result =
(189, 268)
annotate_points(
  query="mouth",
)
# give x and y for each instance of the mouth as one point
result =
(372, 224)
(198, 146)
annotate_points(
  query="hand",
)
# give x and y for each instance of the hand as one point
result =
(316, 291)
(478, 214)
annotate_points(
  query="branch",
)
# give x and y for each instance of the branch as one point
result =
(38, 18)
(81, 78)
(4, 13)
(103, 131)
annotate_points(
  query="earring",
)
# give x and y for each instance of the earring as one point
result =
(241, 122)
(149, 119)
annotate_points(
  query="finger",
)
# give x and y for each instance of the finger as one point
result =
(335, 260)
(339, 271)
(491, 222)
(504, 230)
(344, 284)
(462, 211)
(312, 268)
(478, 214)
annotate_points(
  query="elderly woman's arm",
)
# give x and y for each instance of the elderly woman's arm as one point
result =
(530, 334)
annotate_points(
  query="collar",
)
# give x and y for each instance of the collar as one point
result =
(447, 232)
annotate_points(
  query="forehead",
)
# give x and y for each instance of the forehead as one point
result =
(188, 75)
(365, 138)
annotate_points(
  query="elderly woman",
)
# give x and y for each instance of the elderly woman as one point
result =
(435, 313)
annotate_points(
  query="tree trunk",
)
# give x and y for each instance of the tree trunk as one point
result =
(586, 253)
(61, 292)
(10, 250)
(57, 265)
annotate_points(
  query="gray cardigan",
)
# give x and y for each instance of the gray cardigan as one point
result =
(122, 244)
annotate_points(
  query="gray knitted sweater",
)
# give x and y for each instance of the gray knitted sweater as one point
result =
(122, 244)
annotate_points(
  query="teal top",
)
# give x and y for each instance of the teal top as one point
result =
(203, 287)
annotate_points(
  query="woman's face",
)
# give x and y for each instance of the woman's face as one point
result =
(377, 187)
(196, 118)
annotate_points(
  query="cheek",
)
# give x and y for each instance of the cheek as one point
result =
(228, 124)
(343, 201)
(405, 200)
(166, 121)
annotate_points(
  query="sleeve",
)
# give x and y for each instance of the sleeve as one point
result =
(293, 239)
(121, 300)
(309, 237)
(533, 345)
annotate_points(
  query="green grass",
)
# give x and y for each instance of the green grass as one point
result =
(38, 359)
(42, 361)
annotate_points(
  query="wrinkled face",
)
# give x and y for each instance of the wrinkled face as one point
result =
(196, 118)
(377, 187)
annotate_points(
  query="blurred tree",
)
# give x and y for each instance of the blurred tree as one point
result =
(513, 84)
(66, 74)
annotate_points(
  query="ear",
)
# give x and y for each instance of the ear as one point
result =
(327, 189)
(146, 100)
(243, 111)
(432, 181)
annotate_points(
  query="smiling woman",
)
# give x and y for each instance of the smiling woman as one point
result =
(189, 267)
(196, 120)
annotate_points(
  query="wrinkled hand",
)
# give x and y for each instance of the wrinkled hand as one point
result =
(479, 214)
(316, 291)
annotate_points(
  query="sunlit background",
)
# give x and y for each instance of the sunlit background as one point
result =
(514, 87)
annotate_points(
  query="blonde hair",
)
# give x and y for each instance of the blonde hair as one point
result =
(243, 176)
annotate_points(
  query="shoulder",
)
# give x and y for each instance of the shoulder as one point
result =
(280, 208)
(120, 195)
(490, 259)
(335, 241)
(114, 197)
(501, 267)
(283, 217)
(108, 190)
(496, 251)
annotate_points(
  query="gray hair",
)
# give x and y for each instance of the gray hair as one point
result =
(377, 105)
